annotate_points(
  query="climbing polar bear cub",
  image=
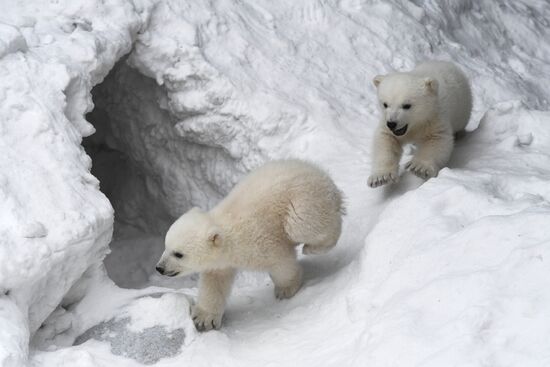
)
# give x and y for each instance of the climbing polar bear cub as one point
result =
(426, 107)
(256, 227)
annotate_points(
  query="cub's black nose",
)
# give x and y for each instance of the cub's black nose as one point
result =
(160, 269)
(391, 124)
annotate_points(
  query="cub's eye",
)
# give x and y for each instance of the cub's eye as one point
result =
(179, 255)
(406, 106)
(385, 105)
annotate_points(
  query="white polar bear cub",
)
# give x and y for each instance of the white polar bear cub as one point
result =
(425, 106)
(257, 226)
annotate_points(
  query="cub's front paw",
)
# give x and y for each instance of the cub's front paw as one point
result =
(288, 291)
(380, 178)
(422, 169)
(205, 320)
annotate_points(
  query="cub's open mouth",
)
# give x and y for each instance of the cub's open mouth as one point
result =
(399, 132)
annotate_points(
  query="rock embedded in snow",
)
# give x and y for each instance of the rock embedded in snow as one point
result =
(148, 329)
(147, 347)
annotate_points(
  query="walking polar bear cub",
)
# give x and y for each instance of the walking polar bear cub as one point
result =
(256, 227)
(425, 106)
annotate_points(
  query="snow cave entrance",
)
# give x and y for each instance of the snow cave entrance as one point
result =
(125, 175)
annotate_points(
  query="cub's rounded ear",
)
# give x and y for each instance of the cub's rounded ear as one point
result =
(215, 237)
(377, 80)
(431, 85)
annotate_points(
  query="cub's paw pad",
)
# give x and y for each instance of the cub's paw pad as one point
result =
(382, 178)
(286, 292)
(422, 169)
(205, 321)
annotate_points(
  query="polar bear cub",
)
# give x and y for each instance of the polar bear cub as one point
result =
(256, 227)
(426, 107)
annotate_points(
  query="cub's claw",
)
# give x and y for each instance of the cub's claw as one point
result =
(422, 169)
(286, 292)
(383, 178)
(205, 321)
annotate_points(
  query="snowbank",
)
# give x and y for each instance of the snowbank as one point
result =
(54, 222)
(447, 272)
(458, 281)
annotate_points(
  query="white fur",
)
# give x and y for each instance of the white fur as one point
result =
(441, 103)
(257, 226)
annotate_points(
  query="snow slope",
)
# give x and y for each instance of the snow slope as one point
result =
(447, 272)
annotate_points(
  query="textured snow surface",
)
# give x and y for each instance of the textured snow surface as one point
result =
(191, 95)
(54, 223)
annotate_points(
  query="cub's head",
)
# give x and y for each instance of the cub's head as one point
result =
(406, 101)
(192, 245)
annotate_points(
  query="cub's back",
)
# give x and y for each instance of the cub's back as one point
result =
(273, 185)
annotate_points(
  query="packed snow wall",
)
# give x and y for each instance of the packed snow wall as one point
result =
(55, 223)
(155, 163)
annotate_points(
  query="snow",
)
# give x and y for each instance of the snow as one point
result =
(55, 223)
(188, 97)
